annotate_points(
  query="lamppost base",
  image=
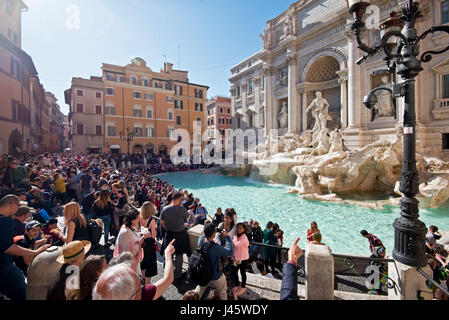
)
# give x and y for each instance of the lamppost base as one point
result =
(409, 242)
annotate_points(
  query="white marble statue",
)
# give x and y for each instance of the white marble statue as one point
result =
(336, 141)
(320, 112)
(385, 106)
(266, 40)
(283, 116)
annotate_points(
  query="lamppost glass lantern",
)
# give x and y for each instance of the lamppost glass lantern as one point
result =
(357, 7)
(394, 23)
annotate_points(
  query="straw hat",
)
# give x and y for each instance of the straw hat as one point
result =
(72, 250)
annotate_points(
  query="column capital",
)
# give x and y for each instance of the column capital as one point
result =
(267, 70)
(292, 58)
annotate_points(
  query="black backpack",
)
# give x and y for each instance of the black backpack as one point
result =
(95, 232)
(200, 273)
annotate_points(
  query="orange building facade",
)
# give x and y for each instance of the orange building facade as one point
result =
(149, 104)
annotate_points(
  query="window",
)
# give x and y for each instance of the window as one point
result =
(149, 132)
(80, 129)
(178, 120)
(110, 110)
(446, 86)
(178, 90)
(15, 37)
(198, 119)
(250, 87)
(122, 79)
(170, 115)
(109, 91)
(137, 95)
(198, 107)
(148, 96)
(111, 130)
(221, 110)
(138, 131)
(169, 99)
(228, 121)
(109, 77)
(229, 110)
(445, 11)
(169, 132)
(15, 69)
(98, 95)
(198, 93)
(156, 84)
(178, 104)
(79, 107)
(221, 121)
(145, 82)
(137, 112)
(79, 93)
(149, 113)
(445, 141)
(98, 109)
(133, 80)
(238, 91)
(239, 122)
(98, 129)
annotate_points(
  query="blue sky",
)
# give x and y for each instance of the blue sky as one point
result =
(213, 35)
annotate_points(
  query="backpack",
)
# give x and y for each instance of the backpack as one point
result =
(200, 273)
(95, 232)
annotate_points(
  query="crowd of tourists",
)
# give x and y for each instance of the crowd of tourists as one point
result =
(72, 202)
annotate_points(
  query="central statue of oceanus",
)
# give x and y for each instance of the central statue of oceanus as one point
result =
(320, 112)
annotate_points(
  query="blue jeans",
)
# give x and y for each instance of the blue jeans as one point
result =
(12, 282)
(107, 226)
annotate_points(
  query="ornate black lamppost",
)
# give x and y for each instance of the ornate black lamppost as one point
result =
(129, 137)
(401, 50)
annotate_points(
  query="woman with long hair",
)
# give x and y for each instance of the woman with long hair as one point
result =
(241, 257)
(104, 209)
(90, 270)
(148, 264)
(130, 238)
(310, 232)
(75, 223)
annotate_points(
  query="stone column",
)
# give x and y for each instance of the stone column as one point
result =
(292, 94)
(319, 272)
(268, 73)
(354, 82)
(304, 107)
(343, 81)
(300, 112)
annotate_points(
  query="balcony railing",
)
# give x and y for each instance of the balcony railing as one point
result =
(441, 103)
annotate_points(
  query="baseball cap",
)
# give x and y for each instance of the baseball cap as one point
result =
(32, 224)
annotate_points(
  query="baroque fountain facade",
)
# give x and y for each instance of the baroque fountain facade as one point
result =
(305, 85)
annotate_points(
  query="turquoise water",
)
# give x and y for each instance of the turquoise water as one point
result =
(339, 224)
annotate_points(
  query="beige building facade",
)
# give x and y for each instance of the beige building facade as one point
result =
(86, 117)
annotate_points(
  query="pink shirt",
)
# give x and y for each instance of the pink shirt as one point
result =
(241, 244)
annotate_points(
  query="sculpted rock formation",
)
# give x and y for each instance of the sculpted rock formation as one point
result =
(320, 167)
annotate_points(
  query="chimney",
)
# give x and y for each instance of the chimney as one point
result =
(168, 66)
